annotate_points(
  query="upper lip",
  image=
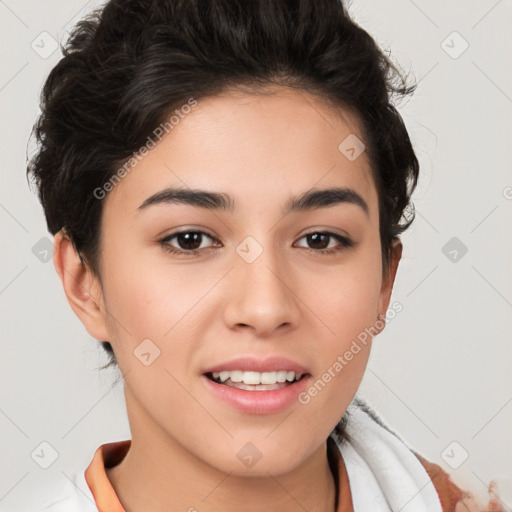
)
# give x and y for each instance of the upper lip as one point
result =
(252, 364)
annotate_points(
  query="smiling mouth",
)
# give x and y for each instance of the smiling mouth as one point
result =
(255, 381)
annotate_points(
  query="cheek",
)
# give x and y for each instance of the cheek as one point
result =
(346, 298)
(148, 299)
(151, 332)
(152, 299)
(347, 307)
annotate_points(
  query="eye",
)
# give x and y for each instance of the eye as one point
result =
(189, 242)
(319, 238)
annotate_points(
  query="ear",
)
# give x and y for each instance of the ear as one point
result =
(389, 279)
(81, 286)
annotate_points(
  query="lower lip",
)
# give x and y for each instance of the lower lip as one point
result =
(257, 402)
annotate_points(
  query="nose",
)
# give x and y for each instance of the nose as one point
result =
(261, 296)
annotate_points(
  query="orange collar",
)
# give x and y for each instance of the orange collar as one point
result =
(111, 454)
(106, 456)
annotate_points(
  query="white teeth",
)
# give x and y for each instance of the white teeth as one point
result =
(223, 376)
(256, 378)
(236, 376)
(267, 378)
(281, 376)
(252, 378)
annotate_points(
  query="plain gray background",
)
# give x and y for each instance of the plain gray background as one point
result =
(440, 374)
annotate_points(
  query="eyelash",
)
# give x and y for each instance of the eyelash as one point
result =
(345, 243)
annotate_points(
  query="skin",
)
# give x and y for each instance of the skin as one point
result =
(206, 309)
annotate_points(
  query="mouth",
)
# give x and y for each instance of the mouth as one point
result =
(256, 381)
(257, 387)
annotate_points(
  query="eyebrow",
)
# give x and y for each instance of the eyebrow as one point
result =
(309, 200)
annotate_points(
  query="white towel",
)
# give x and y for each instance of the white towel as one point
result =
(384, 474)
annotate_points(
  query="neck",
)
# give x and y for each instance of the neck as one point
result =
(159, 474)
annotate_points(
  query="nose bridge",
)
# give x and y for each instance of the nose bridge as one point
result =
(261, 295)
(265, 275)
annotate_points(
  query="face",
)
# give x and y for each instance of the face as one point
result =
(282, 290)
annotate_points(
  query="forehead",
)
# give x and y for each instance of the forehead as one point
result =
(256, 147)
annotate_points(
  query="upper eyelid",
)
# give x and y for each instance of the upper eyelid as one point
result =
(176, 233)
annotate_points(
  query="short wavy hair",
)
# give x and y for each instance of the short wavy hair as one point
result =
(127, 65)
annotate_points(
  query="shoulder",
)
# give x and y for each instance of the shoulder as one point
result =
(449, 493)
(452, 498)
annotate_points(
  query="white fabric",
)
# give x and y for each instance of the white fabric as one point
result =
(76, 496)
(69, 496)
(384, 475)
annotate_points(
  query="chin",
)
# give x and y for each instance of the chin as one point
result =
(251, 461)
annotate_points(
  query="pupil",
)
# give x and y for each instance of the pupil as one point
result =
(315, 237)
(188, 238)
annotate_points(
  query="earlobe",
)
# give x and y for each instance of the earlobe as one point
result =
(81, 287)
(389, 279)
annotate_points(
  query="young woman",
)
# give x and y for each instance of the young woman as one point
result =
(227, 181)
